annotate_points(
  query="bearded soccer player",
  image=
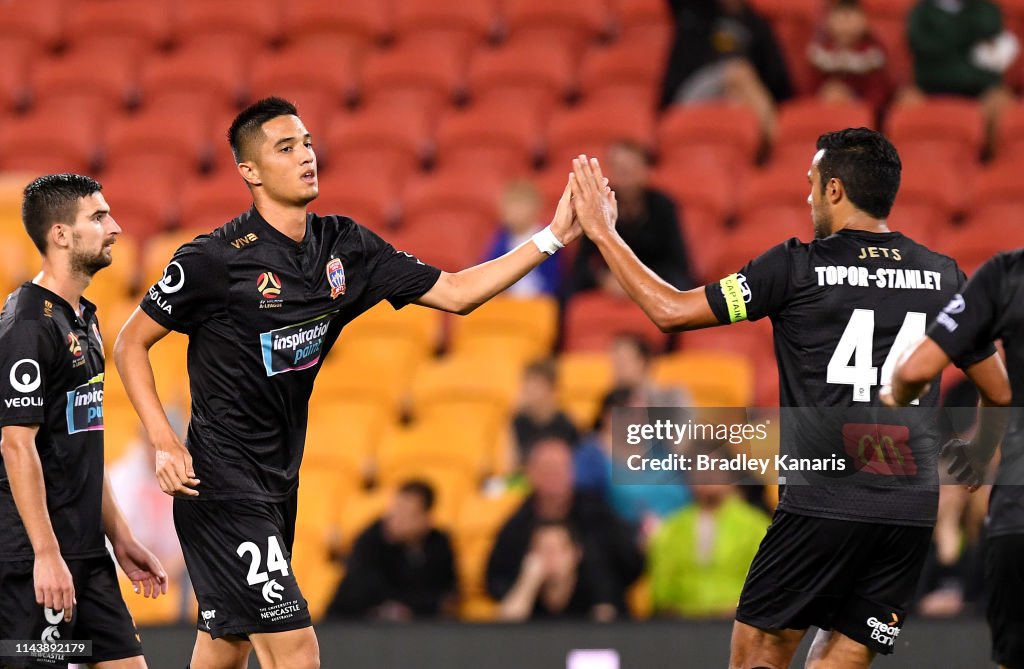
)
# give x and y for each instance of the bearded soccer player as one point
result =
(989, 308)
(846, 557)
(252, 359)
(57, 581)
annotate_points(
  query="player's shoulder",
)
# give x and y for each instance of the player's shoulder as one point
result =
(27, 307)
(928, 254)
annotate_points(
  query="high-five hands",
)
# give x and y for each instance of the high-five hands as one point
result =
(592, 199)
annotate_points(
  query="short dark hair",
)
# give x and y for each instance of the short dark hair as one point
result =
(868, 165)
(51, 199)
(545, 369)
(420, 489)
(247, 127)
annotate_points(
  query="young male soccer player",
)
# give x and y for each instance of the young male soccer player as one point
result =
(57, 582)
(844, 558)
(989, 308)
(262, 299)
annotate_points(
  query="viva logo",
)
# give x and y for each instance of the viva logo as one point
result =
(85, 406)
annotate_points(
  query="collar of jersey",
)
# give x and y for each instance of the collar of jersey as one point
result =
(274, 234)
(87, 312)
(868, 234)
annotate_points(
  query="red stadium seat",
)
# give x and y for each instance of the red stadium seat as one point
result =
(207, 74)
(51, 140)
(391, 142)
(999, 184)
(321, 69)
(931, 183)
(488, 135)
(802, 122)
(176, 142)
(14, 87)
(892, 33)
(103, 79)
(570, 22)
(142, 201)
(625, 70)
(949, 129)
(774, 224)
(424, 73)
(641, 13)
(243, 24)
(777, 186)
(442, 198)
(534, 75)
(1009, 143)
(40, 23)
(924, 223)
(366, 21)
(740, 247)
(888, 9)
(706, 195)
(725, 135)
(593, 319)
(466, 23)
(591, 129)
(368, 198)
(754, 339)
(149, 23)
(794, 22)
(442, 245)
(209, 203)
(973, 244)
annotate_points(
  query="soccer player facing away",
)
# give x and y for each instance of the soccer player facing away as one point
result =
(57, 581)
(990, 307)
(263, 299)
(843, 558)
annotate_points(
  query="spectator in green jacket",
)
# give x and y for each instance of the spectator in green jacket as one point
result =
(699, 557)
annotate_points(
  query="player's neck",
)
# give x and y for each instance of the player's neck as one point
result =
(859, 221)
(287, 219)
(61, 280)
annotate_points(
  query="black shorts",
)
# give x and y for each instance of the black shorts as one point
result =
(856, 578)
(1004, 580)
(238, 555)
(100, 616)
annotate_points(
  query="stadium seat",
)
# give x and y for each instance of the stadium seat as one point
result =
(489, 137)
(781, 185)
(419, 324)
(640, 14)
(593, 319)
(451, 486)
(888, 9)
(948, 129)
(53, 140)
(210, 202)
(145, 611)
(624, 70)
(1009, 144)
(14, 81)
(465, 384)
(921, 222)
(583, 381)
(801, 122)
(351, 377)
(317, 574)
(738, 248)
(367, 198)
(971, 245)
(705, 193)
(570, 22)
(160, 249)
(755, 340)
(520, 328)
(115, 283)
(439, 444)
(591, 129)
(390, 141)
(121, 425)
(19, 259)
(320, 69)
(247, 25)
(793, 22)
(777, 223)
(479, 520)
(464, 23)
(533, 77)
(444, 197)
(351, 450)
(366, 21)
(999, 184)
(41, 23)
(712, 378)
(149, 23)
(358, 512)
(394, 356)
(426, 73)
(932, 183)
(723, 135)
(145, 142)
(210, 76)
(99, 80)
(892, 33)
(323, 491)
(170, 357)
(142, 202)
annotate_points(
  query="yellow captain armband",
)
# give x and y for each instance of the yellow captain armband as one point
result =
(735, 292)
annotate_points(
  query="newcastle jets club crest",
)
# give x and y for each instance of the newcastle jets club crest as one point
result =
(336, 277)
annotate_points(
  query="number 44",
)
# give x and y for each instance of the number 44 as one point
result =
(857, 343)
(275, 560)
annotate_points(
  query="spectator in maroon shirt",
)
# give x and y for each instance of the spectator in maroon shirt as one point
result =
(848, 62)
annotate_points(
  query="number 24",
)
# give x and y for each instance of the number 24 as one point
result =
(275, 560)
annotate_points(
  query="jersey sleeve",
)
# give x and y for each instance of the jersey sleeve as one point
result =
(759, 289)
(26, 357)
(965, 329)
(396, 276)
(191, 289)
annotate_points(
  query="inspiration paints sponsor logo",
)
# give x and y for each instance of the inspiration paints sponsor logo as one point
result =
(85, 406)
(294, 347)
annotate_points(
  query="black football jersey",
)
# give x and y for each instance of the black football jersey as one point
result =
(843, 309)
(991, 307)
(261, 312)
(51, 375)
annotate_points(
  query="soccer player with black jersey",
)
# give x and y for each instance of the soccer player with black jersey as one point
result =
(846, 557)
(990, 307)
(57, 581)
(263, 299)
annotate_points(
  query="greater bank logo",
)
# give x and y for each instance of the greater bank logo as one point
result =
(85, 406)
(884, 633)
(294, 347)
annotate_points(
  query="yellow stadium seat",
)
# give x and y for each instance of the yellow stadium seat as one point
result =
(159, 251)
(359, 511)
(479, 609)
(121, 428)
(638, 599)
(345, 433)
(359, 379)
(322, 495)
(112, 319)
(19, 259)
(507, 326)
(464, 385)
(450, 486)
(169, 358)
(479, 520)
(164, 610)
(112, 285)
(317, 575)
(465, 448)
(583, 381)
(420, 324)
(394, 357)
(713, 378)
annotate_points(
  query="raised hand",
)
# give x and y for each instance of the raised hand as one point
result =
(564, 225)
(593, 201)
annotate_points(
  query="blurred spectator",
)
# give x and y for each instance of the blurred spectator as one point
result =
(960, 47)
(520, 218)
(648, 223)
(556, 580)
(539, 415)
(699, 557)
(724, 50)
(848, 61)
(632, 360)
(401, 566)
(608, 544)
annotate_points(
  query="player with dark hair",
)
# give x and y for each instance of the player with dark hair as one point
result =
(989, 308)
(57, 581)
(263, 299)
(844, 557)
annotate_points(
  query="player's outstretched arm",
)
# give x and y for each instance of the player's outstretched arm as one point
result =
(142, 568)
(670, 309)
(464, 291)
(131, 355)
(53, 584)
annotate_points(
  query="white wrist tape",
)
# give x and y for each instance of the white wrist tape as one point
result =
(546, 241)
